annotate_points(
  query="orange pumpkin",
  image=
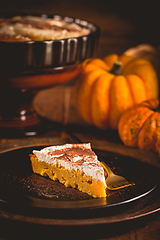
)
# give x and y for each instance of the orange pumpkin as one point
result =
(103, 92)
(139, 126)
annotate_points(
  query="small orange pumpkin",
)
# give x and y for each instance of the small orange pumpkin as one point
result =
(102, 94)
(139, 126)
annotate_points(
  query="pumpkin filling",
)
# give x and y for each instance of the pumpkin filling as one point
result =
(74, 165)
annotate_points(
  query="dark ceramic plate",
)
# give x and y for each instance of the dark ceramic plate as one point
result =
(24, 191)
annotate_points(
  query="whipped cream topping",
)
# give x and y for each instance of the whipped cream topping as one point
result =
(38, 28)
(73, 156)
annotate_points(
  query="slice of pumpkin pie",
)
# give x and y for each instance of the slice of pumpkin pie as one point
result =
(74, 165)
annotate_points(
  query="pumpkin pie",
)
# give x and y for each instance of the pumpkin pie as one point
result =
(74, 165)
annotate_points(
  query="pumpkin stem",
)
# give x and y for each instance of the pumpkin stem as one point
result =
(116, 68)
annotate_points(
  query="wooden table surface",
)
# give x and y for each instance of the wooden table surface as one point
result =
(120, 30)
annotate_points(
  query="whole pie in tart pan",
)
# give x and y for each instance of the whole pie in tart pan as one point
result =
(32, 43)
(38, 52)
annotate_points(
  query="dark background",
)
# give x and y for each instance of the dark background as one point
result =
(123, 24)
